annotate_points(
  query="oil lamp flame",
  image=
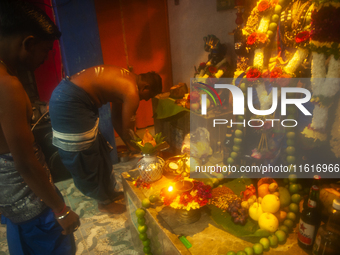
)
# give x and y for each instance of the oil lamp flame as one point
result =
(170, 189)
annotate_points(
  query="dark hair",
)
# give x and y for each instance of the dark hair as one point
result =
(154, 81)
(20, 17)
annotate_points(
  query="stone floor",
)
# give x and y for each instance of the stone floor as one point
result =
(99, 233)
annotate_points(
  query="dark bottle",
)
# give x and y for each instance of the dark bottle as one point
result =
(327, 241)
(227, 145)
(310, 217)
(239, 42)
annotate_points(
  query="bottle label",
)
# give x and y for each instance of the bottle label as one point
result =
(314, 187)
(306, 233)
(311, 203)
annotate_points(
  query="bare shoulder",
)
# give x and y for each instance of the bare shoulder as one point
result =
(11, 90)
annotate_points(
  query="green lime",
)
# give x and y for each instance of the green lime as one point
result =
(233, 155)
(290, 150)
(230, 161)
(236, 148)
(284, 197)
(273, 240)
(272, 26)
(285, 180)
(300, 186)
(288, 223)
(140, 213)
(270, 34)
(143, 237)
(238, 133)
(290, 142)
(231, 253)
(296, 198)
(153, 198)
(146, 242)
(146, 203)
(277, 9)
(281, 235)
(258, 248)
(290, 135)
(275, 18)
(141, 221)
(241, 253)
(292, 178)
(249, 250)
(240, 118)
(294, 208)
(291, 216)
(293, 188)
(265, 243)
(290, 159)
(243, 87)
(146, 249)
(237, 141)
(142, 229)
(284, 229)
(239, 126)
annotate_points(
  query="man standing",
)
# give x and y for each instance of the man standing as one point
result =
(38, 221)
(74, 116)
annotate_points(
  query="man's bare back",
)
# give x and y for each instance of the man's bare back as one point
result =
(107, 84)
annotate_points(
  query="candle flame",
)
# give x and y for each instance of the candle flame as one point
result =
(170, 189)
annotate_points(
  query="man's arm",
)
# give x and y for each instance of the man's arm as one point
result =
(123, 118)
(19, 138)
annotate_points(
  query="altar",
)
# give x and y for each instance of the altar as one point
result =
(165, 227)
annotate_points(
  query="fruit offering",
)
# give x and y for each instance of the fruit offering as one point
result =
(238, 213)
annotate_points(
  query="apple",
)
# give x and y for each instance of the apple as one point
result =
(194, 106)
(268, 221)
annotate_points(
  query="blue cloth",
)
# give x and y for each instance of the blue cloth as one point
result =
(39, 236)
(73, 112)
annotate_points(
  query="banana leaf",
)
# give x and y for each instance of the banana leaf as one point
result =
(250, 231)
(148, 148)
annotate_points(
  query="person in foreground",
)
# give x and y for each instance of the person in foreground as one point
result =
(37, 219)
(74, 116)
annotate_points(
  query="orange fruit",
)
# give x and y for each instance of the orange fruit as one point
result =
(263, 190)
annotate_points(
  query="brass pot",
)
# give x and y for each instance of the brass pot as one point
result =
(188, 217)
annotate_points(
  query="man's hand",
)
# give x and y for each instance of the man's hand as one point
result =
(70, 223)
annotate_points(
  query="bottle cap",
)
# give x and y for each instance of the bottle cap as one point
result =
(336, 204)
(317, 177)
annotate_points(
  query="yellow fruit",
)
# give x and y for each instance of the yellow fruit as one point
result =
(255, 211)
(272, 187)
(268, 221)
(270, 203)
(276, 194)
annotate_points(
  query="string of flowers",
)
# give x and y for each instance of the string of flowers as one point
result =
(325, 41)
(189, 200)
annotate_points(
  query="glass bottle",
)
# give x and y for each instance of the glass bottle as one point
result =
(327, 241)
(310, 217)
(227, 145)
